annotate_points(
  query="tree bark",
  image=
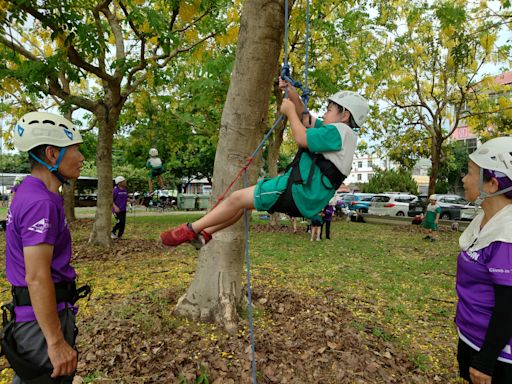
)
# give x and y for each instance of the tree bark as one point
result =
(68, 192)
(107, 119)
(436, 148)
(216, 290)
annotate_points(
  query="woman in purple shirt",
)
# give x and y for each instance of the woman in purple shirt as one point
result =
(484, 268)
(38, 252)
(120, 199)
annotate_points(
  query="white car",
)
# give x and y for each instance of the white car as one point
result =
(391, 204)
(469, 212)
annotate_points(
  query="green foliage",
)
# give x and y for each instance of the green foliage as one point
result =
(15, 163)
(425, 76)
(391, 180)
(88, 147)
(183, 124)
(453, 168)
(137, 178)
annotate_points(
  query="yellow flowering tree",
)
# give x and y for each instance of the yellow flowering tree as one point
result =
(106, 51)
(426, 75)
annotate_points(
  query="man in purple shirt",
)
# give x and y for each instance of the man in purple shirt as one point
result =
(484, 268)
(41, 335)
(120, 199)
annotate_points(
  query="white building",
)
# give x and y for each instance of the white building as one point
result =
(364, 166)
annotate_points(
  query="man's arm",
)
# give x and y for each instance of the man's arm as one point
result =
(41, 288)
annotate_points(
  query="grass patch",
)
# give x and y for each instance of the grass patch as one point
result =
(398, 287)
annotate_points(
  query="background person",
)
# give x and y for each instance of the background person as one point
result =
(316, 225)
(38, 248)
(484, 265)
(156, 168)
(328, 213)
(119, 204)
(431, 219)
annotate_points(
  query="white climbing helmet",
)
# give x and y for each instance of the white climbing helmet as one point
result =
(119, 179)
(495, 155)
(38, 128)
(153, 152)
(355, 103)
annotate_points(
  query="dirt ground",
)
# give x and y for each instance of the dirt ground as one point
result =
(309, 340)
(302, 339)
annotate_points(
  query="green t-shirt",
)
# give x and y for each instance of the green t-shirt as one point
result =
(310, 199)
(432, 211)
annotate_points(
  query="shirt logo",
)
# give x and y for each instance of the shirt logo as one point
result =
(41, 226)
(473, 255)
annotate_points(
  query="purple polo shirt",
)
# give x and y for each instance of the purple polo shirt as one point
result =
(477, 273)
(36, 216)
(120, 198)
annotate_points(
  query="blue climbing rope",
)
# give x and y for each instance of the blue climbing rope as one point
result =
(249, 299)
(285, 75)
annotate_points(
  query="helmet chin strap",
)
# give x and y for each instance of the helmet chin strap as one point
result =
(53, 169)
(483, 195)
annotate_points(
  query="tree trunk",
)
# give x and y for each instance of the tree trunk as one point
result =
(68, 191)
(100, 234)
(216, 290)
(437, 142)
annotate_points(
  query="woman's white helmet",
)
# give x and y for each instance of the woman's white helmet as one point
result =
(153, 152)
(38, 128)
(496, 155)
(355, 103)
(119, 179)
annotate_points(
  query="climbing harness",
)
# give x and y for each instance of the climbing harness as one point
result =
(30, 373)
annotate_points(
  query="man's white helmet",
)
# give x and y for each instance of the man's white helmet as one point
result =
(495, 155)
(355, 103)
(433, 197)
(38, 128)
(119, 179)
(153, 152)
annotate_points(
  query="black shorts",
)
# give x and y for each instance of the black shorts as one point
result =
(156, 172)
(502, 372)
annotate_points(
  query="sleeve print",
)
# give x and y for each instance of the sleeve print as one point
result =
(40, 224)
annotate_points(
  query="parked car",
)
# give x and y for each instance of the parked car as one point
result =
(469, 213)
(418, 207)
(453, 207)
(358, 201)
(391, 204)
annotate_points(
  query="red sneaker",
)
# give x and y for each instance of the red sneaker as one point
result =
(177, 236)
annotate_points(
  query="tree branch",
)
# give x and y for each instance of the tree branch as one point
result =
(17, 48)
(118, 36)
(131, 87)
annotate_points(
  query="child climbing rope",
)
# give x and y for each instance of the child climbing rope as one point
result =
(324, 160)
(156, 167)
